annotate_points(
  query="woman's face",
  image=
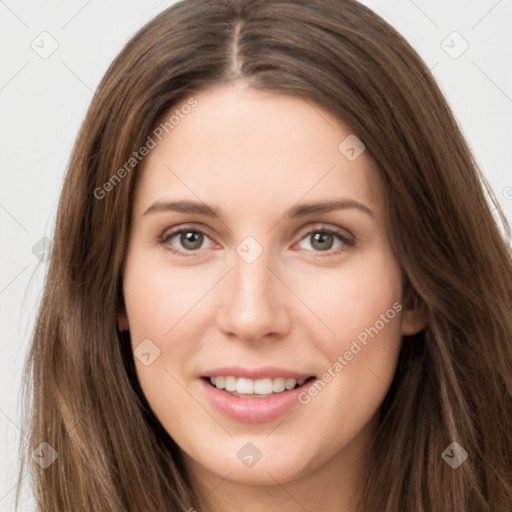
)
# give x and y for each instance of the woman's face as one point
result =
(274, 287)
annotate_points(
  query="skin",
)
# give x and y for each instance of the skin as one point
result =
(254, 155)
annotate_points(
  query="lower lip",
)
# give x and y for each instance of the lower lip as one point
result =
(254, 410)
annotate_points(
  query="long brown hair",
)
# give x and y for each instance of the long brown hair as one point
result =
(454, 379)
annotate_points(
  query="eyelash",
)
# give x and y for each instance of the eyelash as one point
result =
(345, 237)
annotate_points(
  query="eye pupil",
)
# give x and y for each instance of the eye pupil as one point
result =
(321, 239)
(191, 237)
(192, 240)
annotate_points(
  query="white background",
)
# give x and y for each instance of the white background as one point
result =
(43, 102)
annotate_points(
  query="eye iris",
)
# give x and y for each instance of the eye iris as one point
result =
(321, 238)
(192, 240)
(191, 237)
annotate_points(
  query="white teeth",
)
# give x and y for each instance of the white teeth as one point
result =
(278, 385)
(244, 386)
(230, 384)
(290, 383)
(263, 386)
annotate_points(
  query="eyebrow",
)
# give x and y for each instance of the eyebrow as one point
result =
(300, 210)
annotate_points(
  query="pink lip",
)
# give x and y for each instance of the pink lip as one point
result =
(253, 410)
(268, 372)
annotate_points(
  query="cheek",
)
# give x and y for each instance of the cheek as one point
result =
(160, 303)
(351, 299)
(362, 305)
(163, 306)
(157, 301)
(158, 297)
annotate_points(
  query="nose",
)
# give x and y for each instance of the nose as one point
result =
(255, 302)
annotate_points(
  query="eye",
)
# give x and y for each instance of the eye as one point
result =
(323, 239)
(190, 238)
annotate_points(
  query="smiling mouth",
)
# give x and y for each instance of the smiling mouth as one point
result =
(260, 388)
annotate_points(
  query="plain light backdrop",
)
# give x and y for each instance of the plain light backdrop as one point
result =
(43, 99)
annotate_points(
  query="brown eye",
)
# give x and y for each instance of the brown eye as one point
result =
(185, 240)
(191, 240)
(324, 240)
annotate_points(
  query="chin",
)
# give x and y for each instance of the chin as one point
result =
(257, 462)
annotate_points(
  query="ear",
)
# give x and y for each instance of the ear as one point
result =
(122, 322)
(415, 315)
(413, 321)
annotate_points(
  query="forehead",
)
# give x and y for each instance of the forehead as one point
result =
(254, 148)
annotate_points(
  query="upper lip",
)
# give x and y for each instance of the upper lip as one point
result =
(268, 372)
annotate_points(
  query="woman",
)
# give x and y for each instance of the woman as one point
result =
(276, 281)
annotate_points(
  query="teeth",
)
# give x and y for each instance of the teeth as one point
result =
(278, 385)
(290, 383)
(230, 384)
(244, 386)
(263, 386)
